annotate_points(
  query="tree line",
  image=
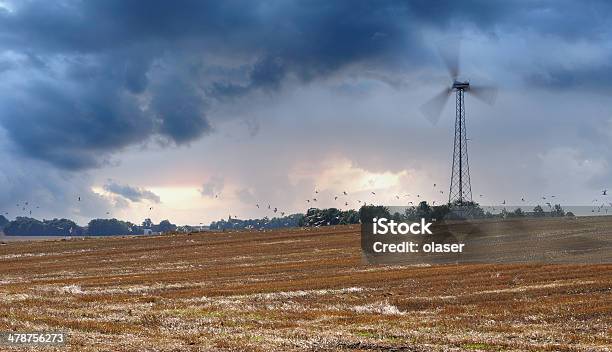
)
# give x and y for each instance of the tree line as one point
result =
(315, 217)
(25, 226)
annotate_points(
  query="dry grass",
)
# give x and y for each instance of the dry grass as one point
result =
(294, 290)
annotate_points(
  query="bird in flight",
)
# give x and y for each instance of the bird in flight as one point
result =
(522, 199)
(257, 205)
(604, 192)
(335, 197)
(346, 194)
(79, 198)
(374, 193)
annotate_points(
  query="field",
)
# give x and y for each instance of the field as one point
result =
(294, 290)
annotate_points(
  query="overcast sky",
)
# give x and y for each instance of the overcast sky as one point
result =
(195, 110)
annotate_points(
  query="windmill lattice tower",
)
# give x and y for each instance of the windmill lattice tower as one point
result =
(460, 187)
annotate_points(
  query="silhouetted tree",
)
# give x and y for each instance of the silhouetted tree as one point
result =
(557, 210)
(293, 220)
(368, 212)
(147, 223)
(166, 226)
(518, 213)
(3, 222)
(24, 226)
(538, 211)
(440, 212)
(106, 227)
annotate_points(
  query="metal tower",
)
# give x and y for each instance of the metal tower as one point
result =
(460, 191)
(460, 188)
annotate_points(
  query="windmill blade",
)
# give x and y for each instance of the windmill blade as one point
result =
(433, 108)
(449, 52)
(486, 94)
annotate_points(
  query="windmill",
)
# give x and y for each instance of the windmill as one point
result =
(460, 187)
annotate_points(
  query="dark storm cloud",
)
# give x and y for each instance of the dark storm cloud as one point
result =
(103, 75)
(596, 78)
(73, 125)
(135, 194)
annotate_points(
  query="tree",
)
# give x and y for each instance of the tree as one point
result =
(108, 227)
(518, 213)
(475, 210)
(423, 210)
(293, 220)
(538, 211)
(166, 226)
(147, 223)
(558, 211)
(440, 212)
(24, 226)
(368, 212)
(3, 222)
(59, 227)
(350, 217)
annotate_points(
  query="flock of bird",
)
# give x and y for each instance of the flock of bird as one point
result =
(27, 208)
(344, 200)
(598, 205)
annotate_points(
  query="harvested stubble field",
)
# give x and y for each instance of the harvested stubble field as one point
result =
(294, 290)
